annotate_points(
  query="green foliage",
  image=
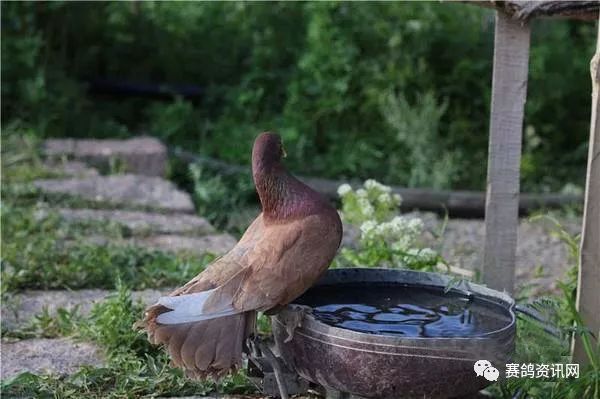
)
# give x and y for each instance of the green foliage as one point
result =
(45, 325)
(559, 75)
(21, 162)
(386, 240)
(430, 163)
(39, 250)
(134, 367)
(316, 72)
(535, 345)
(173, 121)
(218, 197)
(263, 324)
(373, 202)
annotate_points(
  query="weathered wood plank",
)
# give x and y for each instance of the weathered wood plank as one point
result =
(588, 286)
(527, 10)
(458, 203)
(509, 91)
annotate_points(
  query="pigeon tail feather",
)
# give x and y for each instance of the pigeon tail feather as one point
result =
(188, 308)
(202, 348)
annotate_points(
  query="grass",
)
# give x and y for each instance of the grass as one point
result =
(534, 345)
(134, 368)
(21, 161)
(45, 252)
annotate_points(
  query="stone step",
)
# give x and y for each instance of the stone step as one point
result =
(70, 168)
(138, 155)
(142, 223)
(217, 244)
(125, 190)
(18, 309)
(59, 356)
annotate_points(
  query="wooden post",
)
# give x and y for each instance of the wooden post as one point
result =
(588, 285)
(509, 91)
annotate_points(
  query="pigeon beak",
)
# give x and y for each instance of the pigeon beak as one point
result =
(283, 153)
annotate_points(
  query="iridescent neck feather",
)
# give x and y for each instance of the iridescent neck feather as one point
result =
(283, 197)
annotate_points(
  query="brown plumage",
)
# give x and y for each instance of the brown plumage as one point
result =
(281, 254)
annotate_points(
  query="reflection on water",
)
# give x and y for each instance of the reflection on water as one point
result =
(396, 309)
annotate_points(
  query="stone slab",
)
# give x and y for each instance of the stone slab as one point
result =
(143, 223)
(139, 155)
(133, 190)
(217, 244)
(71, 168)
(60, 356)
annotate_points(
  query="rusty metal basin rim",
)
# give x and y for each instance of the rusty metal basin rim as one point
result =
(411, 278)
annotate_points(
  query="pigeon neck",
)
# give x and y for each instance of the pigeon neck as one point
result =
(282, 196)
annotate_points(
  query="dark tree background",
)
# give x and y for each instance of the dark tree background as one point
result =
(394, 91)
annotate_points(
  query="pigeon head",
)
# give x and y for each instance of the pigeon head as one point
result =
(267, 152)
(281, 195)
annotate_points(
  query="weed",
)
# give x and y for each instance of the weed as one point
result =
(219, 197)
(134, 367)
(46, 252)
(432, 163)
(20, 158)
(535, 345)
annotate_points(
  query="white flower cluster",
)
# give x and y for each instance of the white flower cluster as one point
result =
(398, 227)
(375, 185)
(344, 189)
(368, 228)
(381, 193)
(373, 201)
(385, 236)
(366, 208)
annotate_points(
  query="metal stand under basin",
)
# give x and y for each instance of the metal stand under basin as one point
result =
(268, 371)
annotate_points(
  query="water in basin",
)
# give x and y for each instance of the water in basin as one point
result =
(398, 309)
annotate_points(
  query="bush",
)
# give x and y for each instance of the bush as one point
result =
(386, 239)
(316, 72)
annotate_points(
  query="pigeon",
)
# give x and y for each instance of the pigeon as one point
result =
(205, 323)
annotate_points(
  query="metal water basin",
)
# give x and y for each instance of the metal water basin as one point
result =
(390, 366)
